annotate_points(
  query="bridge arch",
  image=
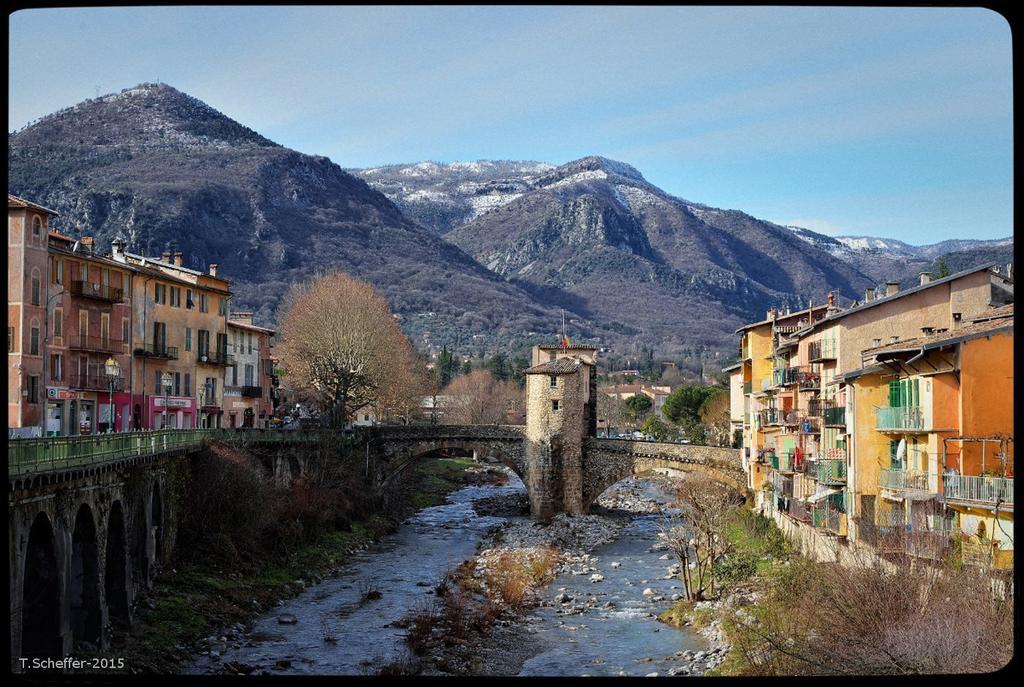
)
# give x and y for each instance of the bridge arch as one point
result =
(484, 452)
(116, 566)
(84, 584)
(41, 599)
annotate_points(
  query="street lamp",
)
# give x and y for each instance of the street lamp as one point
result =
(166, 379)
(113, 369)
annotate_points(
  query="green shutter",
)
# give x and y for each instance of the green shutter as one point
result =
(894, 393)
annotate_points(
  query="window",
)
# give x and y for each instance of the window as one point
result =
(160, 294)
(158, 382)
(160, 336)
(37, 226)
(188, 338)
(250, 342)
(188, 384)
(249, 376)
(35, 291)
(204, 305)
(554, 381)
(554, 405)
(188, 299)
(56, 367)
(33, 389)
(33, 347)
(177, 384)
(58, 322)
(222, 306)
(10, 340)
(105, 277)
(175, 297)
(204, 342)
(124, 330)
(234, 375)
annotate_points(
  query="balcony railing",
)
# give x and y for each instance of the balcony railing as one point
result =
(834, 416)
(824, 349)
(806, 380)
(783, 462)
(828, 516)
(215, 358)
(99, 292)
(899, 418)
(902, 480)
(791, 418)
(208, 398)
(252, 391)
(98, 344)
(155, 350)
(826, 470)
(978, 489)
(96, 381)
(770, 416)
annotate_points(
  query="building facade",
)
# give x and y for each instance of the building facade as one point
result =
(248, 382)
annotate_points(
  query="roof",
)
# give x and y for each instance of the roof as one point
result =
(254, 327)
(559, 366)
(917, 289)
(623, 388)
(986, 326)
(782, 317)
(148, 268)
(95, 257)
(994, 313)
(16, 202)
(733, 367)
(570, 347)
(57, 235)
(854, 374)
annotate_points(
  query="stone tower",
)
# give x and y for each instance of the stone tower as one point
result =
(561, 411)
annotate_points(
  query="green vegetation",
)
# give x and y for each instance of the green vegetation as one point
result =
(637, 405)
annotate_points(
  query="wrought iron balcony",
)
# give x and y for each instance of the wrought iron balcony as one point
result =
(100, 292)
(98, 344)
(155, 350)
(252, 391)
(220, 358)
(208, 398)
(901, 418)
(95, 381)
(769, 416)
(826, 470)
(978, 489)
(834, 416)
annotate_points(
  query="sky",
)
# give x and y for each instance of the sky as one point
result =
(891, 122)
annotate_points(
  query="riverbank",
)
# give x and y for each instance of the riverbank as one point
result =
(203, 607)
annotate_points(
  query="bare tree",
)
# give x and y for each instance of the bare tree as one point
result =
(478, 398)
(706, 507)
(341, 345)
(715, 414)
(401, 399)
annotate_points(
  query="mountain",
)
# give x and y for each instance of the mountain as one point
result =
(595, 233)
(442, 196)
(167, 171)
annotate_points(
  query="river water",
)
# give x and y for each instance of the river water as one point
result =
(623, 637)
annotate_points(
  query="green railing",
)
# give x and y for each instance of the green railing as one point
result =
(834, 416)
(29, 456)
(901, 417)
(830, 471)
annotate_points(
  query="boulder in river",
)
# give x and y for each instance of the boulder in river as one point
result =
(649, 592)
(596, 577)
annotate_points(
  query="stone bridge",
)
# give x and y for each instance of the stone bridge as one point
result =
(553, 487)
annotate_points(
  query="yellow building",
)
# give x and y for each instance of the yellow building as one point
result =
(180, 342)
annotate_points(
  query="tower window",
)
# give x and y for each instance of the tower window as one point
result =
(554, 381)
(554, 405)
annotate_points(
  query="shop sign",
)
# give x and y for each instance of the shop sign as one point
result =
(54, 393)
(161, 402)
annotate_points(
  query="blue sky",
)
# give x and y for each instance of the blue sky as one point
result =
(866, 121)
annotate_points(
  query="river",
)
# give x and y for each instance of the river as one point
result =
(339, 631)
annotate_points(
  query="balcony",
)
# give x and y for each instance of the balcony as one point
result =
(99, 292)
(978, 490)
(834, 416)
(791, 418)
(809, 425)
(208, 399)
(769, 417)
(219, 358)
(824, 349)
(829, 517)
(914, 485)
(97, 344)
(156, 350)
(900, 419)
(807, 380)
(95, 381)
(783, 462)
(829, 471)
(252, 391)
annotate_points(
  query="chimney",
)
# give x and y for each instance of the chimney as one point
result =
(87, 243)
(165, 256)
(213, 269)
(177, 258)
(891, 288)
(117, 248)
(244, 317)
(869, 295)
(926, 277)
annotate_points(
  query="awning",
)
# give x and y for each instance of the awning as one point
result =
(818, 496)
